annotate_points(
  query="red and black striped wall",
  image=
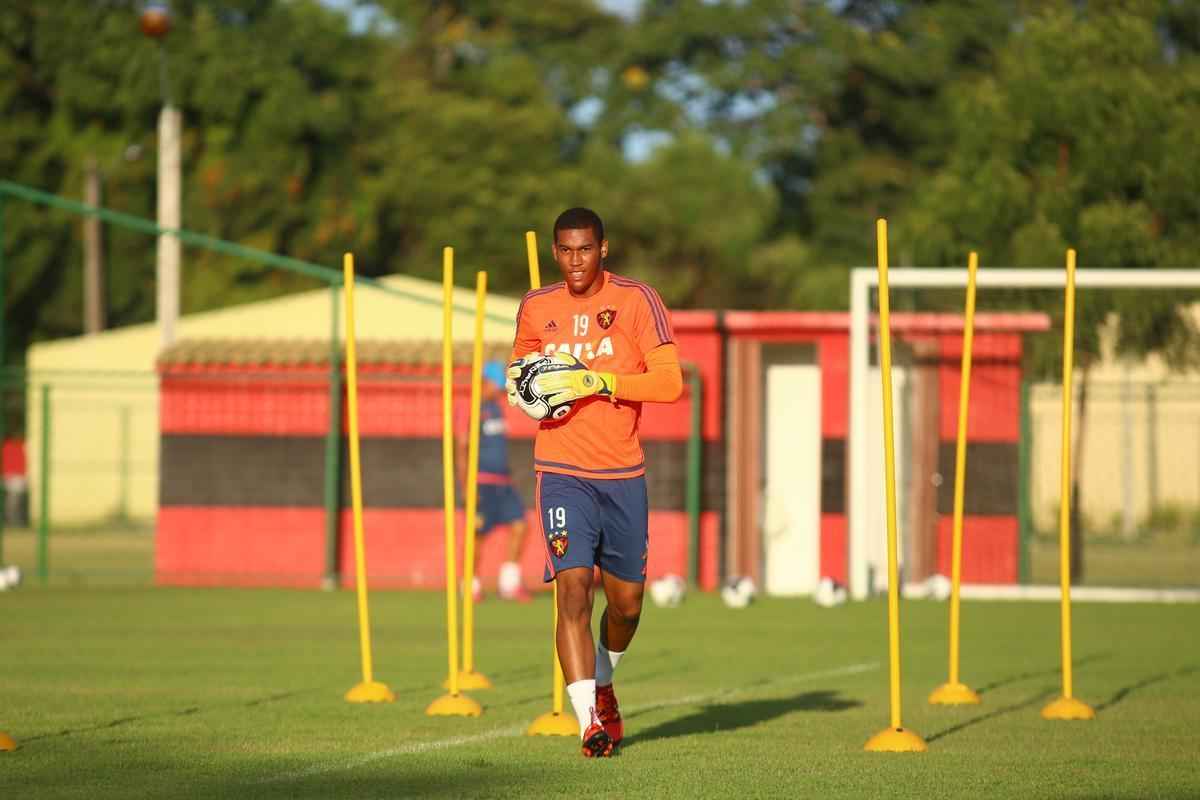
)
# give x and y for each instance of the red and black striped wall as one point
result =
(243, 460)
(242, 488)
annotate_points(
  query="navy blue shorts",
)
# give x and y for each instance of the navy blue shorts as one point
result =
(497, 504)
(588, 522)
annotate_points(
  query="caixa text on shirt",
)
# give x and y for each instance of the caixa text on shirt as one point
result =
(584, 351)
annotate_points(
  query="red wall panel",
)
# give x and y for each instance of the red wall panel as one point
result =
(405, 548)
(989, 548)
(994, 415)
(239, 546)
(834, 547)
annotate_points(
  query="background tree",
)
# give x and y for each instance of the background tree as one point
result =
(739, 150)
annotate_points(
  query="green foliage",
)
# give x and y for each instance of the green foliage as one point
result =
(783, 129)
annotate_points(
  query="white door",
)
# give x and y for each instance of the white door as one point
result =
(876, 546)
(792, 497)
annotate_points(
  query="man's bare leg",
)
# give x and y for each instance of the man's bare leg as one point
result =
(618, 624)
(578, 657)
(624, 610)
(576, 652)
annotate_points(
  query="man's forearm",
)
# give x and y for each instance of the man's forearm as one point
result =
(662, 382)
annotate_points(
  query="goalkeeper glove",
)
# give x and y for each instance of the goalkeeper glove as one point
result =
(567, 385)
(513, 374)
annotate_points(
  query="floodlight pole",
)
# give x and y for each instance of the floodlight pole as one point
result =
(156, 23)
(169, 132)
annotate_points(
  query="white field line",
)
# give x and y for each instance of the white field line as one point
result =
(516, 730)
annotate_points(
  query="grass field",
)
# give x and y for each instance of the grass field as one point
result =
(143, 692)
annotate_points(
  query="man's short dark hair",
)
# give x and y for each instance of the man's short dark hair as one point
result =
(577, 219)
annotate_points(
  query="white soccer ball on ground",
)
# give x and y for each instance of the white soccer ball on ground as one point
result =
(10, 577)
(668, 591)
(739, 591)
(938, 586)
(829, 593)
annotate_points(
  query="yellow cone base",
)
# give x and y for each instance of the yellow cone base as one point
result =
(6, 742)
(554, 724)
(454, 705)
(469, 681)
(895, 740)
(1068, 708)
(954, 694)
(371, 692)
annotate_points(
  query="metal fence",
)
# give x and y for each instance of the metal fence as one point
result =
(1136, 465)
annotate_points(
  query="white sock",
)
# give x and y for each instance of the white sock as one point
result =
(606, 664)
(510, 578)
(583, 700)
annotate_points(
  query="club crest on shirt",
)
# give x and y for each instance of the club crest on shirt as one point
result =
(606, 316)
(558, 543)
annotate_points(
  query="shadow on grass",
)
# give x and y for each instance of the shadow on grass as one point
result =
(1125, 691)
(1077, 662)
(999, 712)
(718, 717)
(1045, 694)
(176, 712)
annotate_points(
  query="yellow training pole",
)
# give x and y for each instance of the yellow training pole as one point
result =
(954, 692)
(894, 739)
(469, 678)
(1067, 707)
(454, 703)
(370, 690)
(554, 722)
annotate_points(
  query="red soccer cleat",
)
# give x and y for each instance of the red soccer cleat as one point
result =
(596, 743)
(609, 713)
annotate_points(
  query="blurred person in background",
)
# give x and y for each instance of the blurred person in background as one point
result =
(498, 503)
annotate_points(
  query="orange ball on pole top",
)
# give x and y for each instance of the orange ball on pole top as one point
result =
(155, 20)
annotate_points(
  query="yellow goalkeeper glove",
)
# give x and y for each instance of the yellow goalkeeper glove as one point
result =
(574, 383)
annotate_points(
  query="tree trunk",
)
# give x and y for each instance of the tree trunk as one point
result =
(93, 253)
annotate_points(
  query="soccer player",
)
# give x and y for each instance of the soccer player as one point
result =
(498, 503)
(591, 485)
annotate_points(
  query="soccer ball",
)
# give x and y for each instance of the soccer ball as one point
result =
(668, 591)
(534, 403)
(829, 593)
(10, 577)
(739, 591)
(938, 586)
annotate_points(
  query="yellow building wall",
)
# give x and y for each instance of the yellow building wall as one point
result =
(103, 392)
(1138, 447)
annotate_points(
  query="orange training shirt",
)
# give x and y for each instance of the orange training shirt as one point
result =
(611, 331)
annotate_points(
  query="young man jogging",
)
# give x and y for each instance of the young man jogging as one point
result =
(591, 486)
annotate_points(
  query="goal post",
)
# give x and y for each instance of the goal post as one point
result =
(864, 280)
